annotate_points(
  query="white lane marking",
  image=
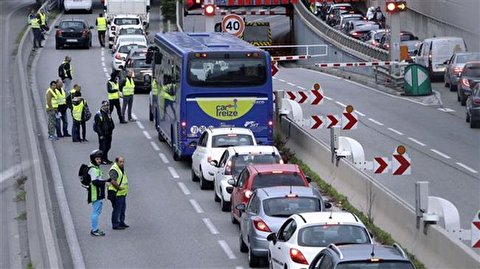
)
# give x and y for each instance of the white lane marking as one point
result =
(105, 70)
(184, 188)
(291, 84)
(467, 168)
(301, 88)
(134, 116)
(446, 109)
(210, 226)
(147, 135)
(281, 80)
(359, 113)
(103, 64)
(103, 59)
(328, 98)
(395, 131)
(441, 154)
(416, 141)
(227, 249)
(163, 157)
(154, 146)
(173, 172)
(376, 122)
(196, 206)
(239, 267)
(140, 125)
(340, 104)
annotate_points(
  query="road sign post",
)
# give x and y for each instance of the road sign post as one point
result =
(233, 24)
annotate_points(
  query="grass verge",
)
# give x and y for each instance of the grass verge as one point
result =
(340, 200)
(22, 216)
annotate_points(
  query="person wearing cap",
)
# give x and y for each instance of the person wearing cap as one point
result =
(103, 125)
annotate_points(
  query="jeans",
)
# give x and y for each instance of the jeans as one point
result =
(104, 145)
(37, 38)
(68, 84)
(76, 131)
(96, 211)
(51, 122)
(119, 204)
(58, 126)
(64, 120)
(115, 103)
(127, 101)
(101, 38)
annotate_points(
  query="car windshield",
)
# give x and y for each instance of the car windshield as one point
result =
(229, 140)
(131, 39)
(126, 21)
(472, 71)
(76, 25)
(339, 234)
(382, 264)
(127, 48)
(286, 206)
(239, 162)
(277, 179)
(463, 58)
(140, 63)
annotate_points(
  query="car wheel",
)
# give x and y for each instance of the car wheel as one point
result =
(224, 204)
(176, 156)
(463, 100)
(453, 87)
(194, 176)
(253, 261)
(215, 195)
(150, 113)
(243, 246)
(204, 184)
(467, 119)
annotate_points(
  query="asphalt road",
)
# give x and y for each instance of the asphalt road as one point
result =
(173, 223)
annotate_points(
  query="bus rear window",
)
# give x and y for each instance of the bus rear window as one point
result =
(227, 71)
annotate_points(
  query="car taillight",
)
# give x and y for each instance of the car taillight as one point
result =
(248, 194)
(58, 33)
(261, 225)
(465, 82)
(355, 34)
(476, 101)
(457, 70)
(270, 123)
(118, 56)
(297, 256)
(209, 158)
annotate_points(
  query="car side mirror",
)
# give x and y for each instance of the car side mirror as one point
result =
(309, 179)
(446, 62)
(229, 189)
(241, 207)
(214, 163)
(272, 237)
(193, 144)
(56, 26)
(327, 204)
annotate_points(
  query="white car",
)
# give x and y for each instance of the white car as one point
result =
(122, 39)
(303, 235)
(232, 162)
(121, 20)
(211, 145)
(70, 5)
(120, 54)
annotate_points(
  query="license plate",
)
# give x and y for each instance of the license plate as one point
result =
(71, 40)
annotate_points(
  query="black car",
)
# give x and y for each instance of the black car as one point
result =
(73, 32)
(467, 80)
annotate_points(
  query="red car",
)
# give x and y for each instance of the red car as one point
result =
(261, 176)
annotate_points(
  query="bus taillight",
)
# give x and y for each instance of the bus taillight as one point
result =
(270, 123)
(200, 55)
(184, 124)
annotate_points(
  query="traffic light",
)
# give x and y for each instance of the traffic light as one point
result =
(209, 10)
(395, 6)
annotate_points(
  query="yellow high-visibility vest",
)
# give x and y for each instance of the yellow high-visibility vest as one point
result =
(77, 110)
(101, 24)
(113, 95)
(34, 23)
(129, 87)
(61, 97)
(54, 98)
(43, 18)
(123, 191)
(155, 88)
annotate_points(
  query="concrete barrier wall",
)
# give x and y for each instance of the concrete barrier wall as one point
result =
(433, 247)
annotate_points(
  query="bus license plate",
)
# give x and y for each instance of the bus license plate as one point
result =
(71, 40)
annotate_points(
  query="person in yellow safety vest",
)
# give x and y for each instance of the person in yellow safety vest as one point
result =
(37, 32)
(62, 109)
(96, 190)
(51, 107)
(155, 90)
(113, 92)
(165, 96)
(117, 193)
(43, 20)
(78, 105)
(101, 24)
(128, 90)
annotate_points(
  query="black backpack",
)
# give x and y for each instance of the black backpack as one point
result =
(85, 178)
(61, 72)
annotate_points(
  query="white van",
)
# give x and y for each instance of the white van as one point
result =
(433, 52)
(78, 5)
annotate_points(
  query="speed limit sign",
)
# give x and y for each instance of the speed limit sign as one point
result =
(233, 24)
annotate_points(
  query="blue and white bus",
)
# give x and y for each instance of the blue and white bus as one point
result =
(214, 79)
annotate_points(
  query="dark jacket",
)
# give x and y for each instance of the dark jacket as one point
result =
(68, 72)
(109, 86)
(103, 124)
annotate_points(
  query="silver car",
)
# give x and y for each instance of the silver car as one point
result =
(455, 66)
(267, 210)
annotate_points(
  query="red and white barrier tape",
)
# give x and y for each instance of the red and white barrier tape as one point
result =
(360, 64)
(291, 58)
